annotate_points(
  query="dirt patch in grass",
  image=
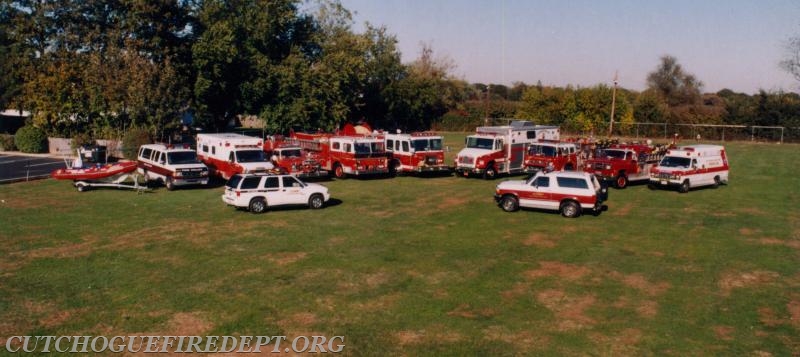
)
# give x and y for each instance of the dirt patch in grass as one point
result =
(465, 311)
(408, 337)
(516, 291)
(380, 303)
(647, 308)
(746, 231)
(188, 324)
(623, 211)
(570, 311)
(557, 269)
(451, 202)
(768, 317)
(724, 332)
(540, 240)
(433, 333)
(794, 311)
(286, 258)
(734, 280)
(621, 344)
(524, 340)
(639, 282)
(775, 241)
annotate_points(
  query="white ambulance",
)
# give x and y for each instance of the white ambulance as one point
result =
(227, 154)
(691, 166)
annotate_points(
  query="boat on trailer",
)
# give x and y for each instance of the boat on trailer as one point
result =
(104, 174)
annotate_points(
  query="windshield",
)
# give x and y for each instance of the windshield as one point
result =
(542, 150)
(368, 148)
(182, 157)
(479, 143)
(291, 153)
(614, 154)
(250, 156)
(674, 161)
(426, 144)
(234, 181)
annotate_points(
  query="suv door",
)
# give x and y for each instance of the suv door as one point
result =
(293, 192)
(272, 191)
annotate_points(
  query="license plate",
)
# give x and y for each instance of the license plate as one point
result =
(663, 182)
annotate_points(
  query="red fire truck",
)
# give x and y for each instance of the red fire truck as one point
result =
(550, 155)
(349, 152)
(496, 150)
(415, 153)
(228, 154)
(286, 155)
(623, 163)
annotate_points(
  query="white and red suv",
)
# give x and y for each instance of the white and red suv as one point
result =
(568, 192)
(258, 192)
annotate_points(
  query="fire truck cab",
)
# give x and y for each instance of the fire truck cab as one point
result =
(228, 154)
(415, 152)
(291, 158)
(494, 150)
(346, 154)
(691, 166)
(623, 163)
(551, 156)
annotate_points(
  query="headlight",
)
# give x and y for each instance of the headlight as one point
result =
(608, 167)
(178, 173)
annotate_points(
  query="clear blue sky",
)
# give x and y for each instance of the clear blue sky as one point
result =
(726, 44)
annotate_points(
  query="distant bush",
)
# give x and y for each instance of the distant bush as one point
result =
(30, 139)
(7, 142)
(81, 139)
(133, 139)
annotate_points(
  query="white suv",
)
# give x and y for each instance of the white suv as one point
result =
(257, 192)
(568, 192)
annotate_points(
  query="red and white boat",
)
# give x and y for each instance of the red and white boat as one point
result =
(95, 173)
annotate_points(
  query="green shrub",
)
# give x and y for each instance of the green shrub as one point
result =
(81, 139)
(30, 139)
(7, 142)
(133, 139)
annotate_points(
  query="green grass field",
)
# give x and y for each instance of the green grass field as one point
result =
(419, 266)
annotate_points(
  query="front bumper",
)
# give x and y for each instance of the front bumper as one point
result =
(433, 168)
(190, 181)
(664, 182)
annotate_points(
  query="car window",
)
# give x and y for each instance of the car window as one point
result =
(250, 183)
(234, 181)
(336, 146)
(571, 182)
(146, 153)
(389, 145)
(405, 146)
(290, 181)
(542, 182)
(271, 183)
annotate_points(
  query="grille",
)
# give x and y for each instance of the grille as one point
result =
(430, 160)
(599, 166)
(664, 175)
(466, 160)
(190, 174)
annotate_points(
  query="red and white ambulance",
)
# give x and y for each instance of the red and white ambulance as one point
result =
(415, 152)
(227, 154)
(496, 150)
(691, 166)
(350, 152)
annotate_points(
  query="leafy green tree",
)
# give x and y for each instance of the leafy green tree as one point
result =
(673, 84)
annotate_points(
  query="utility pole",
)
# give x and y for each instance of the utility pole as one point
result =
(613, 104)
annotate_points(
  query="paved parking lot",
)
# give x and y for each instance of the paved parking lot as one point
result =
(15, 168)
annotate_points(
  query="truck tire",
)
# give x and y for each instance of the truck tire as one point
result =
(490, 173)
(169, 184)
(621, 182)
(394, 168)
(257, 205)
(316, 201)
(509, 203)
(338, 171)
(717, 182)
(570, 209)
(684, 187)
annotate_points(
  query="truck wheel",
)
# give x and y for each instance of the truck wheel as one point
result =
(394, 168)
(622, 181)
(490, 173)
(81, 187)
(338, 171)
(570, 209)
(509, 203)
(257, 205)
(717, 182)
(316, 201)
(169, 184)
(684, 187)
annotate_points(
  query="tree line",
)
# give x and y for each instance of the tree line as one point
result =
(105, 66)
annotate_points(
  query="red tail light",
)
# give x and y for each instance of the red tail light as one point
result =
(238, 193)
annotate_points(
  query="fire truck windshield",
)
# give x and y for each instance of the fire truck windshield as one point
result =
(542, 150)
(674, 161)
(426, 144)
(615, 154)
(182, 158)
(291, 153)
(373, 149)
(250, 156)
(480, 143)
